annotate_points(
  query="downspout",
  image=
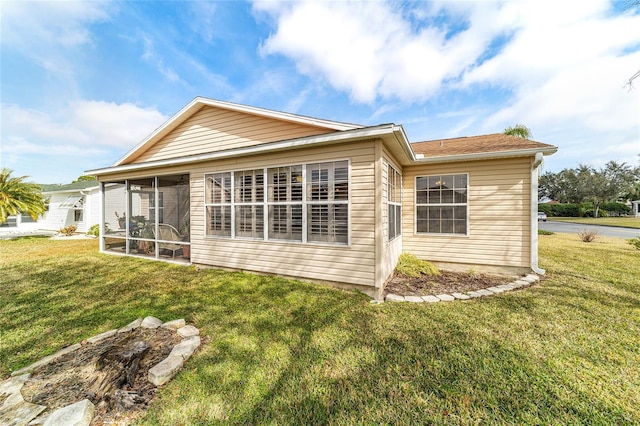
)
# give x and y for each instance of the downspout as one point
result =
(534, 214)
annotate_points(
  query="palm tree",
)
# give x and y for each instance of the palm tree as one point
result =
(17, 196)
(519, 130)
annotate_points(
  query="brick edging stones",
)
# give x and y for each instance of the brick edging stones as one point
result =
(16, 411)
(489, 291)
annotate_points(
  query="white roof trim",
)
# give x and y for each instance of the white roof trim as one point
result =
(198, 102)
(485, 155)
(329, 138)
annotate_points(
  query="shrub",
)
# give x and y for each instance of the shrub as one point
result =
(544, 232)
(615, 209)
(587, 236)
(68, 231)
(635, 242)
(94, 230)
(409, 265)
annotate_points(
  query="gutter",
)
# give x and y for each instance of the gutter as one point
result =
(534, 214)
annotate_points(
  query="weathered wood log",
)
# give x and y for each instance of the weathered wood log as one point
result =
(118, 366)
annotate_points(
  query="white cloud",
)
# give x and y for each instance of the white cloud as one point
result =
(84, 128)
(48, 32)
(371, 50)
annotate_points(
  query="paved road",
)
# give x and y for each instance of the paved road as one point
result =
(574, 228)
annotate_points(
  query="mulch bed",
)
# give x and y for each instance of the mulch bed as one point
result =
(444, 283)
(73, 377)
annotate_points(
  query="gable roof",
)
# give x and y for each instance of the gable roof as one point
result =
(199, 102)
(475, 147)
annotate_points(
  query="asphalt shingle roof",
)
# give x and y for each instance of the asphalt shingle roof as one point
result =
(496, 142)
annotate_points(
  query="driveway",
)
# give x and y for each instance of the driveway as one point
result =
(574, 228)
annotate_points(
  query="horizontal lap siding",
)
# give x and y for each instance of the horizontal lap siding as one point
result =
(499, 209)
(392, 249)
(352, 265)
(213, 129)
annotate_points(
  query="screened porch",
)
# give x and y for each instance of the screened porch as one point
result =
(147, 217)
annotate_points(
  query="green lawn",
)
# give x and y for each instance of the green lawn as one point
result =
(565, 351)
(625, 222)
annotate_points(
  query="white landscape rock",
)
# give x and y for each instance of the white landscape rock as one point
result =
(186, 348)
(430, 299)
(151, 322)
(445, 297)
(164, 371)
(394, 298)
(79, 414)
(460, 296)
(102, 336)
(188, 331)
(131, 326)
(414, 299)
(175, 324)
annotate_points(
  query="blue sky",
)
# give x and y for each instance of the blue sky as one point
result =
(83, 82)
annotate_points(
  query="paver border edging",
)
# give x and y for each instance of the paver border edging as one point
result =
(489, 291)
(163, 371)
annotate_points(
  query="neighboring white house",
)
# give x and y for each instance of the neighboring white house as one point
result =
(635, 208)
(76, 204)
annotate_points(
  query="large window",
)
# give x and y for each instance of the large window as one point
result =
(304, 203)
(441, 204)
(249, 203)
(285, 203)
(218, 196)
(394, 201)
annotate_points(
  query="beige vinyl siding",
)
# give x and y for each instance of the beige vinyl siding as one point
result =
(353, 264)
(214, 129)
(392, 249)
(499, 228)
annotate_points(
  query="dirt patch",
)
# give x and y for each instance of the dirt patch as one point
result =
(444, 283)
(119, 393)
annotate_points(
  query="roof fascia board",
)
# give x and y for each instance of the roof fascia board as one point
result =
(279, 115)
(486, 155)
(330, 138)
(199, 102)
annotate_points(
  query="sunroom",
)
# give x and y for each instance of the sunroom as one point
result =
(147, 217)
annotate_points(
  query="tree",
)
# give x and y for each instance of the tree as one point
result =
(586, 184)
(18, 196)
(519, 130)
(84, 178)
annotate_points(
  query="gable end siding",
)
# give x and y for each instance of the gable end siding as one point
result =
(214, 129)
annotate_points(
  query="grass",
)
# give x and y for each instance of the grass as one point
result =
(624, 222)
(565, 351)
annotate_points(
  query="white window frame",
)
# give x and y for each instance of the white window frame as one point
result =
(418, 205)
(222, 204)
(396, 205)
(305, 203)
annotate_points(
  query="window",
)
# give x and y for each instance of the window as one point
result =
(77, 215)
(284, 201)
(12, 221)
(394, 201)
(218, 204)
(26, 218)
(249, 203)
(441, 204)
(160, 207)
(307, 202)
(327, 202)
